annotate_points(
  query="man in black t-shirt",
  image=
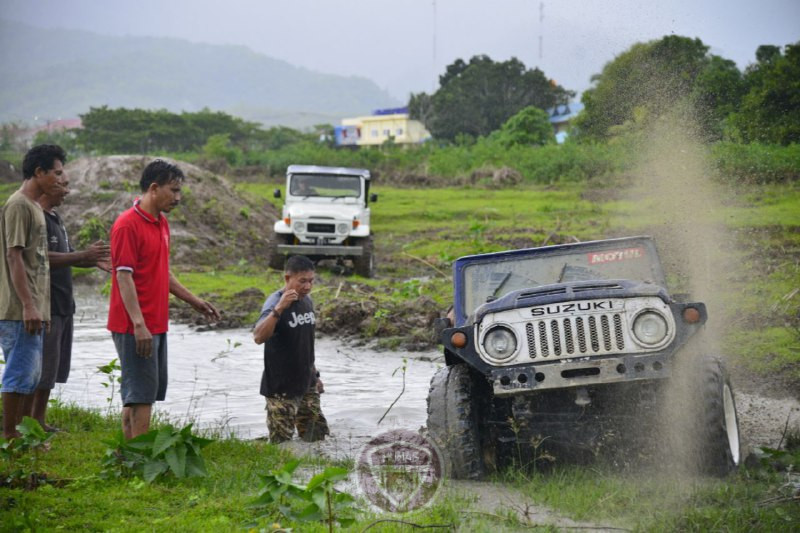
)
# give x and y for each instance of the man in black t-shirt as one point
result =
(290, 381)
(57, 348)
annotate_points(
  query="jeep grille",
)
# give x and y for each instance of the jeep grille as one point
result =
(575, 336)
(580, 328)
(321, 228)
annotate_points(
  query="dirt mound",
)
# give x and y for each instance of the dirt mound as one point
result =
(213, 225)
(403, 324)
(9, 173)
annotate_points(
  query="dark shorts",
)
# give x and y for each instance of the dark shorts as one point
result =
(144, 379)
(56, 352)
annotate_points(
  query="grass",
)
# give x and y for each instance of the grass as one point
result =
(441, 224)
(6, 190)
(661, 501)
(79, 499)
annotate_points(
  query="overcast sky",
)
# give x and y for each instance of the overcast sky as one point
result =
(403, 45)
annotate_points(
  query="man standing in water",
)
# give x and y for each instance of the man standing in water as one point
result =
(290, 381)
(25, 282)
(141, 282)
(57, 349)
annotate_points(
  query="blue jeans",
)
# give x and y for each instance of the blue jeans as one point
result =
(23, 356)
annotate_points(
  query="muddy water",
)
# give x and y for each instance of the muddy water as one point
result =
(214, 379)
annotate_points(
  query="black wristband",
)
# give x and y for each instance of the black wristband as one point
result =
(277, 314)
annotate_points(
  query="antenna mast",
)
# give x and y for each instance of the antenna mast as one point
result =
(541, 29)
(433, 90)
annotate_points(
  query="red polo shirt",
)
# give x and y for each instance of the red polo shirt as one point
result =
(140, 244)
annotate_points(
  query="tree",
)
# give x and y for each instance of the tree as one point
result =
(717, 92)
(770, 111)
(476, 98)
(655, 76)
(218, 147)
(529, 126)
(144, 131)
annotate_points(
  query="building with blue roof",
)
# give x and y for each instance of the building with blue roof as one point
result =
(561, 116)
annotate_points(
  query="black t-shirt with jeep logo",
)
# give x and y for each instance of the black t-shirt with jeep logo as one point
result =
(289, 353)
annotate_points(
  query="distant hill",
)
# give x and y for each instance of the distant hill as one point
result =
(61, 73)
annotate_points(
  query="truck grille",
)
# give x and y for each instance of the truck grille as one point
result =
(575, 336)
(321, 228)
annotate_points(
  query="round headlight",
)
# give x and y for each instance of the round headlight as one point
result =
(650, 328)
(299, 227)
(500, 343)
(341, 228)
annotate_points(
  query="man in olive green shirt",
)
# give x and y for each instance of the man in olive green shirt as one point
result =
(25, 282)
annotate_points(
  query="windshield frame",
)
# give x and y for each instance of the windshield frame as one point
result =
(461, 266)
(320, 178)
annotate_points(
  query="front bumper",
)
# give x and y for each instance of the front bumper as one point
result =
(583, 372)
(321, 250)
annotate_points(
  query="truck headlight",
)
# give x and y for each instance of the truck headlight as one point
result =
(341, 228)
(500, 343)
(650, 328)
(299, 227)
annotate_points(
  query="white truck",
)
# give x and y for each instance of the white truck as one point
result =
(325, 215)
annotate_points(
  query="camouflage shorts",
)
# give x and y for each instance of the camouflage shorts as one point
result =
(305, 413)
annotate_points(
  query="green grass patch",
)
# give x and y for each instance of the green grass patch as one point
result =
(661, 501)
(77, 497)
(767, 350)
(6, 190)
(228, 282)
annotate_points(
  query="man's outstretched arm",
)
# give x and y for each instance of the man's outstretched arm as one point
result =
(97, 255)
(199, 305)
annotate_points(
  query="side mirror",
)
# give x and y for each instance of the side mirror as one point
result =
(373, 197)
(276, 193)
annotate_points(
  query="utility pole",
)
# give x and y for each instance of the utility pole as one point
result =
(541, 30)
(433, 89)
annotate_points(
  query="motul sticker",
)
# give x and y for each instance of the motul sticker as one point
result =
(611, 256)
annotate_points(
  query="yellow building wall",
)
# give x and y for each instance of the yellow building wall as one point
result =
(377, 129)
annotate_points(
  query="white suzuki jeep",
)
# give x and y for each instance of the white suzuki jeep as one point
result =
(325, 215)
(576, 349)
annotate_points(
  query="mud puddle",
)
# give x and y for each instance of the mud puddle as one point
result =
(214, 378)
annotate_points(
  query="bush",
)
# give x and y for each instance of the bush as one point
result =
(756, 163)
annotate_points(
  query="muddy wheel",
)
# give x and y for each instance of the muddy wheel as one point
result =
(453, 421)
(276, 259)
(365, 263)
(717, 424)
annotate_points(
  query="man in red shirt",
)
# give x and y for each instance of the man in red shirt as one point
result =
(141, 282)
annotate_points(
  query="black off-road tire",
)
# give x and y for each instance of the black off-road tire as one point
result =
(364, 265)
(453, 421)
(719, 445)
(277, 260)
